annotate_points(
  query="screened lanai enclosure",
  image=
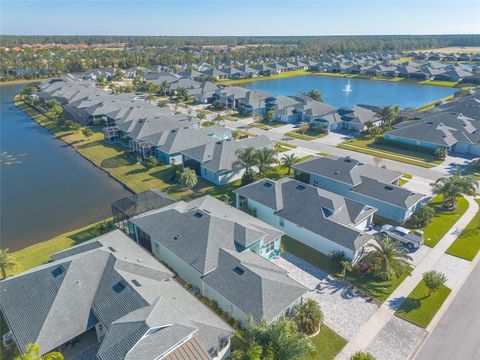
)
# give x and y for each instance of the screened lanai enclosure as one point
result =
(126, 208)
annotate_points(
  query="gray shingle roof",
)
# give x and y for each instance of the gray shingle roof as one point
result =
(221, 155)
(260, 288)
(346, 170)
(322, 212)
(196, 231)
(56, 302)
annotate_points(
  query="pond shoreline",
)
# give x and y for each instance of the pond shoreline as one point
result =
(18, 101)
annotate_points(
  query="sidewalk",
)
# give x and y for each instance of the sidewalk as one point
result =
(385, 313)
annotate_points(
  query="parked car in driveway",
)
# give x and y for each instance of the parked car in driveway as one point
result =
(412, 240)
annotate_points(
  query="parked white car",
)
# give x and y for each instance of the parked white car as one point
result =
(412, 240)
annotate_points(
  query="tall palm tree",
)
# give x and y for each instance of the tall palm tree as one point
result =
(266, 157)
(387, 115)
(164, 85)
(150, 98)
(182, 93)
(247, 159)
(6, 262)
(287, 161)
(387, 258)
(308, 316)
(454, 186)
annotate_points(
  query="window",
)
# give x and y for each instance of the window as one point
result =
(238, 270)
(58, 271)
(269, 247)
(118, 287)
(281, 222)
(157, 247)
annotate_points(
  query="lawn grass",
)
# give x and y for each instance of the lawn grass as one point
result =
(439, 83)
(374, 143)
(285, 144)
(327, 344)
(433, 104)
(403, 181)
(40, 253)
(323, 154)
(310, 134)
(420, 309)
(467, 245)
(376, 288)
(384, 155)
(282, 75)
(443, 220)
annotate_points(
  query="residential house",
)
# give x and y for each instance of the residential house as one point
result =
(445, 130)
(231, 95)
(367, 184)
(325, 221)
(115, 300)
(253, 102)
(222, 252)
(205, 93)
(216, 161)
(352, 118)
(214, 74)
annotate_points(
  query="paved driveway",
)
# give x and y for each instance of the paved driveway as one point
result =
(344, 311)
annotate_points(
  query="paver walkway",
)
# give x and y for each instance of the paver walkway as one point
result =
(386, 312)
(345, 312)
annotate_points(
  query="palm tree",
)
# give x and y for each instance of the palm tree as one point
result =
(454, 186)
(164, 85)
(368, 126)
(308, 316)
(314, 94)
(182, 94)
(434, 280)
(425, 215)
(287, 161)
(247, 159)
(6, 262)
(266, 157)
(189, 178)
(387, 258)
(150, 98)
(387, 115)
(345, 265)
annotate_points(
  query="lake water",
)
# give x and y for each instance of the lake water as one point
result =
(369, 92)
(49, 189)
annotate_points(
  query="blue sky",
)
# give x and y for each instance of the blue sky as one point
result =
(229, 17)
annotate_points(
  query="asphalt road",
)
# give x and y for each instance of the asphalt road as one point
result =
(457, 335)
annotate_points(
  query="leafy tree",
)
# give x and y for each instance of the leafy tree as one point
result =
(71, 125)
(268, 118)
(360, 355)
(150, 162)
(287, 161)
(265, 160)
(119, 75)
(345, 265)
(6, 262)
(308, 316)
(314, 94)
(32, 352)
(440, 153)
(387, 258)
(189, 178)
(87, 132)
(433, 280)
(454, 186)
(101, 80)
